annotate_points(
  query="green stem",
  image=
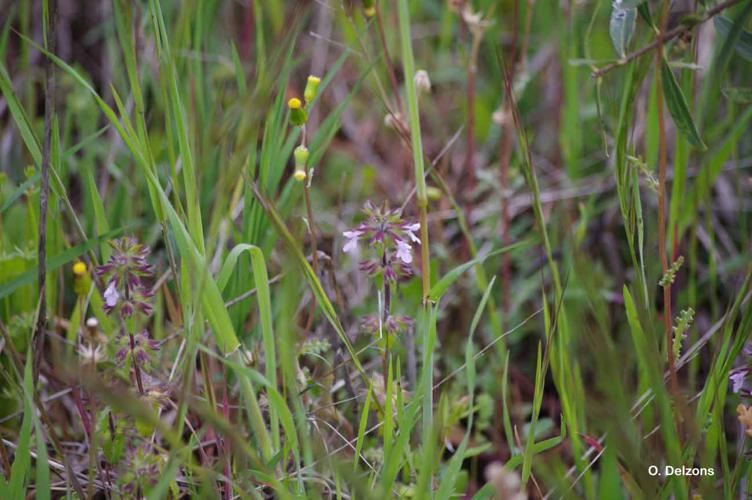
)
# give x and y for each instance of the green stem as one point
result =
(412, 104)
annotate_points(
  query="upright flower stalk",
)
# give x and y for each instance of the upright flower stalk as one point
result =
(303, 173)
(127, 294)
(390, 238)
(662, 203)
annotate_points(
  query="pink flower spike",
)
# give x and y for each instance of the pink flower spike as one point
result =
(404, 252)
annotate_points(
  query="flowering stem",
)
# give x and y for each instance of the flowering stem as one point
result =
(136, 369)
(385, 318)
(667, 320)
(311, 229)
(92, 435)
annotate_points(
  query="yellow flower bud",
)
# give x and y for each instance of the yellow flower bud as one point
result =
(79, 268)
(298, 115)
(433, 193)
(312, 86)
(81, 279)
(299, 175)
(369, 9)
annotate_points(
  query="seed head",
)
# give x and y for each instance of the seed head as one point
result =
(422, 81)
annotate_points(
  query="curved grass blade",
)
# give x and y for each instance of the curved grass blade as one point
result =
(446, 487)
(440, 288)
(263, 298)
(743, 45)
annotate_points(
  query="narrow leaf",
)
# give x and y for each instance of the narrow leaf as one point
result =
(743, 45)
(621, 27)
(677, 106)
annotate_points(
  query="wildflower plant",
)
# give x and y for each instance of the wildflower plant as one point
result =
(390, 240)
(128, 295)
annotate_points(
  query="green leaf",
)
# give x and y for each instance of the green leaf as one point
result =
(22, 461)
(621, 27)
(677, 106)
(58, 260)
(743, 45)
(739, 94)
(629, 4)
(448, 482)
(362, 429)
(440, 288)
(20, 190)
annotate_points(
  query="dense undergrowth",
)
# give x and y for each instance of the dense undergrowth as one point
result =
(375, 249)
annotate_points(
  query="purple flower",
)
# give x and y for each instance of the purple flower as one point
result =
(409, 230)
(352, 240)
(144, 348)
(111, 295)
(126, 270)
(404, 252)
(389, 237)
(737, 378)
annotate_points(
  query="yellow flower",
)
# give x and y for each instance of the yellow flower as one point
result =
(294, 103)
(299, 175)
(79, 268)
(298, 115)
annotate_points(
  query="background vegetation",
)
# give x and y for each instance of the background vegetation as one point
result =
(575, 310)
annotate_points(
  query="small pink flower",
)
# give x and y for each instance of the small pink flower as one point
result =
(410, 232)
(737, 379)
(111, 295)
(404, 252)
(352, 240)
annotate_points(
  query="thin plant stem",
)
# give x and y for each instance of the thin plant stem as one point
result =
(50, 22)
(132, 341)
(311, 230)
(662, 146)
(93, 466)
(416, 142)
(388, 59)
(385, 318)
(136, 369)
(472, 70)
